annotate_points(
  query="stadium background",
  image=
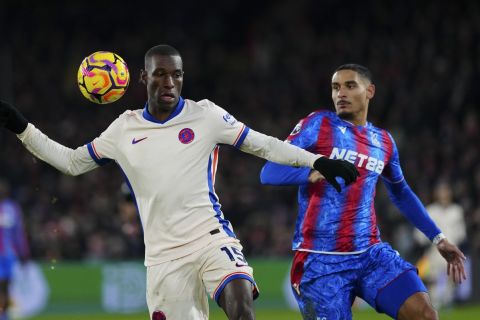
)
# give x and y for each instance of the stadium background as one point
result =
(268, 63)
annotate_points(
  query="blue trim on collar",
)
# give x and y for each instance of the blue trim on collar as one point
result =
(175, 112)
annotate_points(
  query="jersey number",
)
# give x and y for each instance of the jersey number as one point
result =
(234, 254)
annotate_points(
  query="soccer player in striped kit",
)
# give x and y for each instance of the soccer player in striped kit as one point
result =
(168, 152)
(13, 243)
(338, 250)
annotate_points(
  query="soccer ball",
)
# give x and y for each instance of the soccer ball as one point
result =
(103, 77)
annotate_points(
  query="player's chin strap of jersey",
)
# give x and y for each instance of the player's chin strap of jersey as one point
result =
(332, 168)
(11, 118)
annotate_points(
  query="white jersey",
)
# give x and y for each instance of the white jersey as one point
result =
(170, 167)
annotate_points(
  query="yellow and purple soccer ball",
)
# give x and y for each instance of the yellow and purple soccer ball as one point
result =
(103, 77)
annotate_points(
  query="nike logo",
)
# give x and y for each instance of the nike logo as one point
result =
(343, 129)
(134, 141)
(240, 265)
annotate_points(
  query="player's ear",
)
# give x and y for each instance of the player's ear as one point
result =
(370, 91)
(143, 77)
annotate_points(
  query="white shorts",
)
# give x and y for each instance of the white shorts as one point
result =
(179, 288)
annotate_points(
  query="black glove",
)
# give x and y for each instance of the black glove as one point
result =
(331, 168)
(11, 118)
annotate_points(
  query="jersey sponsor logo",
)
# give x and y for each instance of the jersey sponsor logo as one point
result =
(359, 159)
(343, 129)
(297, 128)
(186, 135)
(229, 119)
(135, 141)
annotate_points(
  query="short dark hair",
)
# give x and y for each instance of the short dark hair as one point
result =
(361, 70)
(162, 50)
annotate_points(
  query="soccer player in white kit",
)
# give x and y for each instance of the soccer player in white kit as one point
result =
(168, 152)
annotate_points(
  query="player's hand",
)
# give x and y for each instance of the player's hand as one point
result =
(11, 118)
(332, 168)
(315, 176)
(455, 260)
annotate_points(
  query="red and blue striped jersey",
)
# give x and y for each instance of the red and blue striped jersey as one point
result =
(13, 242)
(342, 222)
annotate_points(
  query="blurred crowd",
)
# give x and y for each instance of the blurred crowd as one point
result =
(269, 63)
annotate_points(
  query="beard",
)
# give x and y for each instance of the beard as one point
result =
(345, 115)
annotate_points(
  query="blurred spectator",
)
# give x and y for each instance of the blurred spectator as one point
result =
(13, 243)
(432, 266)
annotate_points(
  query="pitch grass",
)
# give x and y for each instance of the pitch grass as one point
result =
(459, 313)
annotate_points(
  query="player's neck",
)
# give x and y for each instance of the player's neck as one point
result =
(360, 122)
(160, 115)
(357, 120)
(360, 118)
(159, 112)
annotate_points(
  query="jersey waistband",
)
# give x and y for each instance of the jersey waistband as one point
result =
(336, 252)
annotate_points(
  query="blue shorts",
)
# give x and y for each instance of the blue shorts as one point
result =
(325, 285)
(6, 267)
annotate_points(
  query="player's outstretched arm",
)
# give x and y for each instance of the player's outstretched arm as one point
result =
(66, 160)
(281, 152)
(455, 260)
(282, 175)
(412, 208)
